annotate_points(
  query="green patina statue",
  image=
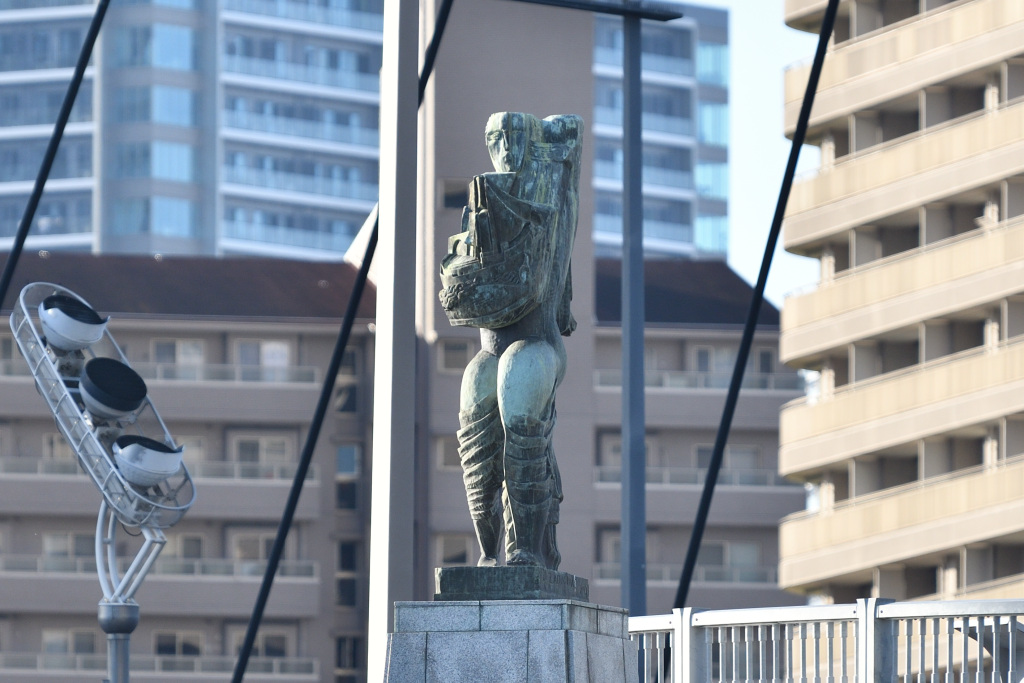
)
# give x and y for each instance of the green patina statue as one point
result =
(508, 273)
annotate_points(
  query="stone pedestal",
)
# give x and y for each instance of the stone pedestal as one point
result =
(510, 641)
(508, 583)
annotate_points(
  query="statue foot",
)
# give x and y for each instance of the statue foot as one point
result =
(487, 562)
(524, 558)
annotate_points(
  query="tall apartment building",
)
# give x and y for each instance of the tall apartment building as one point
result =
(913, 445)
(235, 127)
(685, 75)
(250, 127)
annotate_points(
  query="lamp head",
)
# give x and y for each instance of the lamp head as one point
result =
(69, 324)
(111, 389)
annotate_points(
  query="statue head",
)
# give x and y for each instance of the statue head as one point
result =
(507, 140)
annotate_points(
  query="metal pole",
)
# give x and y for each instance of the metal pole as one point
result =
(118, 620)
(634, 512)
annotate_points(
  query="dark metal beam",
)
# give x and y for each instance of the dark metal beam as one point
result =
(629, 8)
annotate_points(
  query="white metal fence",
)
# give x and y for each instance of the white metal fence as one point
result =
(871, 641)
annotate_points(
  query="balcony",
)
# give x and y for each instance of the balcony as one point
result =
(902, 406)
(690, 476)
(173, 372)
(301, 11)
(183, 669)
(206, 587)
(908, 173)
(888, 63)
(289, 71)
(661, 230)
(665, 64)
(689, 379)
(674, 125)
(303, 128)
(299, 182)
(291, 237)
(950, 275)
(893, 525)
(670, 573)
(652, 175)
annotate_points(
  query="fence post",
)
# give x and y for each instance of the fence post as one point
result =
(690, 662)
(875, 656)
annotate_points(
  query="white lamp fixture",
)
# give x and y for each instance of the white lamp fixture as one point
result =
(145, 462)
(110, 389)
(68, 324)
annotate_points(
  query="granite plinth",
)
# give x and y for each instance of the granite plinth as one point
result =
(510, 641)
(508, 583)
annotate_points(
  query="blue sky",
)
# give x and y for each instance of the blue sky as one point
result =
(761, 47)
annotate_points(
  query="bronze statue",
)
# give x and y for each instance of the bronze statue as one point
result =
(508, 273)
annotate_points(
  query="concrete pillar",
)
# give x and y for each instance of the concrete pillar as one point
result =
(865, 360)
(392, 575)
(828, 266)
(1012, 317)
(865, 131)
(1013, 78)
(935, 340)
(975, 565)
(934, 457)
(935, 223)
(865, 245)
(865, 476)
(826, 492)
(1012, 201)
(992, 98)
(1013, 436)
(935, 106)
(991, 334)
(865, 16)
(947, 579)
(889, 582)
(828, 152)
(990, 447)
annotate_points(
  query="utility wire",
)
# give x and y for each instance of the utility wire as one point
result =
(51, 149)
(755, 309)
(277, 550)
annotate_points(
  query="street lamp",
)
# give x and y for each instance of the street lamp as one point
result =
(102, 409)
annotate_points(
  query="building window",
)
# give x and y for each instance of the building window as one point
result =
(255, 545)
(454, 355)
(56, 448)
(346, 397)
(455, 550)
(177, 643)
(70, 641)
(263, 359)
(346, 495)
(173, 106)
(736, 457)
(713, 180)
(713, 63)
(262, 455)
(713, 123)
(348, 461)
(731, 562)
(713, 234)
(184, 546)
(345, 577)
(178, 351)
(68, 545)
(167, 216)
(173, 161)
(348, 656)
(448, 458)
(268, 643)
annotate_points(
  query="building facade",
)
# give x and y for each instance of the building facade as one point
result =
(912, 446)
(250, 127)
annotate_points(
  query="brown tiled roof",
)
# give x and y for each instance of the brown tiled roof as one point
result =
(197, 286)
(681, 292)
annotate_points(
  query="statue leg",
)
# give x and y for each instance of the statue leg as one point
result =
(480, 448)
(527, 375)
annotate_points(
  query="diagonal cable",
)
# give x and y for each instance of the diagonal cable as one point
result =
(754, 311)
(277, 550)
(51, 149)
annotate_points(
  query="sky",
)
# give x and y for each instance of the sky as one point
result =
(761, 46)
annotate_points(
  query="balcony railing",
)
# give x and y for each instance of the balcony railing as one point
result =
(302, 11)
(676, 232)
(36, 4)
(74, 665)
(677, 66)
(292, 237)
(652, 175)
(871, 641)
(205, 469)
(686, 379)
(300, 182)
(670, 573)
(303, 128)
(165, 566)
(290, 71)
(683, 476)
(676, 125)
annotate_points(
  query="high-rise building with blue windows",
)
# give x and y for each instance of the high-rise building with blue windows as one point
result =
(685, 75)
(250, 127)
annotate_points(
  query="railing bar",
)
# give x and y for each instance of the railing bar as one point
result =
(734, 637)
(949, 650)
(922, 642)
(1011, 642)
(979, 675)
(762, 650)
(935, 650)
(816, 655)
(776, 650)
(660, 654)
(790, 664)
(844, 637)
(830, 632)
(965, 671)
(748, 637)
(803, 652)
(908, 638)
(996, 649)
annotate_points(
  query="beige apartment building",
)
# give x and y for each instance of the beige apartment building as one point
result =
(913, 445)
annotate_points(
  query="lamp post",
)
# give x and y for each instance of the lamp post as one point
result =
(102, 410)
